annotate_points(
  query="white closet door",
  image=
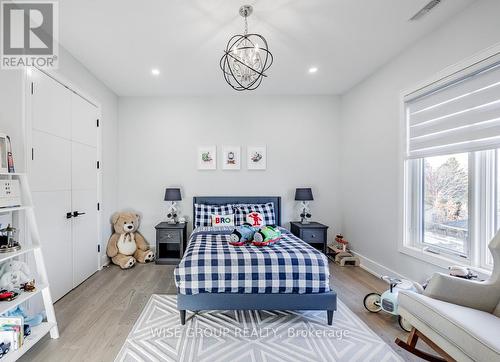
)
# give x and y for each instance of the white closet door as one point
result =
(83, 121)
(51, 178)
(84, 235)
(51, 166)
(55, 238)
(64, 179)
(84, 188)
(51, 107)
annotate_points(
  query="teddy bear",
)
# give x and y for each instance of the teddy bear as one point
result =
(127, 246)
(13, 273)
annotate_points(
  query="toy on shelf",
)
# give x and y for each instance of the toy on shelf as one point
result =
(13, 274)
(7, 295)
(388, 301)
(266, 235)
(341, 253)
(4, 348)
(28, 286)
(8, 241)
(31, 321)
(339, 238)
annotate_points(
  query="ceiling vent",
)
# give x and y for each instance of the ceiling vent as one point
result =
(425, 10)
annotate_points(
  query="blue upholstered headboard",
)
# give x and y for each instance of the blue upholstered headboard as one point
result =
(222, 200)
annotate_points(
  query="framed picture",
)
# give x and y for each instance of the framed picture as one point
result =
(231, 157)
(207, 158)
(256, 157)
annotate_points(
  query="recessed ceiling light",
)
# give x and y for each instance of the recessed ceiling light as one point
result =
(155, 71)
(313, 70)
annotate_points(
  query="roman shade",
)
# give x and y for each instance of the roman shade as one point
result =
(460, 113)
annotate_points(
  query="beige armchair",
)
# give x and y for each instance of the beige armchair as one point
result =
(458, 318)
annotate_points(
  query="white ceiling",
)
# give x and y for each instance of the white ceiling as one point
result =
(120, 41)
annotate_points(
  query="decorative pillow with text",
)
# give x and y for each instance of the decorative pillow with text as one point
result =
(203, 213)
(223, 220)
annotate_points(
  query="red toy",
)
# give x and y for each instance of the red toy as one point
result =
(254, 219)
(5, 295)
(340, 239)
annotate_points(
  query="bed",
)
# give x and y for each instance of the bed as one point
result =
(213, 275)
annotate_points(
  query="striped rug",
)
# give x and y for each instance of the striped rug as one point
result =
(250, 336)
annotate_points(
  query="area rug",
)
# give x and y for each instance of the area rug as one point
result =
(250, 336)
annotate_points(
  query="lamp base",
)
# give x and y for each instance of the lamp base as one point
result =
(304, 221)
(171, 220)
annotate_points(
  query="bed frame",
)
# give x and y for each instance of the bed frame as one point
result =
(245, 301)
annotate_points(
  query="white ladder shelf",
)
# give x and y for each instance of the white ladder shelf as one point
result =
(42, 285)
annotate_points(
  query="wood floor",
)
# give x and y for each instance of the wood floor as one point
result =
(95, 318)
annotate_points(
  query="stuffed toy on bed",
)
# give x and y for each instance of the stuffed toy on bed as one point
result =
(242, 234)
(266, 235)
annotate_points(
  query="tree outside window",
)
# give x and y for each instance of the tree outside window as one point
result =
(446, 194)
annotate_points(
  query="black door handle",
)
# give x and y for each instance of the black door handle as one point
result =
(76, 213)
(69, 215)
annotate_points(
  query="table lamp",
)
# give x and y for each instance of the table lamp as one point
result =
(304, 195)
(172, 195)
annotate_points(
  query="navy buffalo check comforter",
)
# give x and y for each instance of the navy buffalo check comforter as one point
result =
(211, 265)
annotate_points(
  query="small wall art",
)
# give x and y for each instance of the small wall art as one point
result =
(231, 157)
(256, 157)
(207, 158)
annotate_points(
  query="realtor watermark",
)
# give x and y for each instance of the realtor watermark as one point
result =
(29, 34)
(248, 333)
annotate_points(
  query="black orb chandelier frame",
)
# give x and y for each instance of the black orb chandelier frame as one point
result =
(246, 58)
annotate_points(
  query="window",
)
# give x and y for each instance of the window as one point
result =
(446, 202)
(452, 166)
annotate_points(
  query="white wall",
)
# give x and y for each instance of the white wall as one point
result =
(11, 112)
(371, 171)
(11, 122)
(158, 140)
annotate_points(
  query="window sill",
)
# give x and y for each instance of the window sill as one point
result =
(442, 261)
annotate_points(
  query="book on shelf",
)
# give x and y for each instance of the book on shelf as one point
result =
(12, 331)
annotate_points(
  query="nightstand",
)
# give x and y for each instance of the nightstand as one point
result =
(170, 242)
(313, 233)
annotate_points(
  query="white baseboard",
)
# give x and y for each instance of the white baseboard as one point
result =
(105, 261)
(375, 268)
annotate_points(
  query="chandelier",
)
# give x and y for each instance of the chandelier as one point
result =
(246, 58)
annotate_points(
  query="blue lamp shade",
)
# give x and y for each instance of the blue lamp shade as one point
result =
(303, 194)
(173, 194)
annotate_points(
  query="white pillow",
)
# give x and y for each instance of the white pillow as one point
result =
(256, 219)
(223, 220)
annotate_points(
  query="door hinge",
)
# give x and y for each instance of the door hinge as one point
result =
(97, 123)
(98, 165)
(32, 154)
(32, 87)
(98, 248)
(98, 206)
